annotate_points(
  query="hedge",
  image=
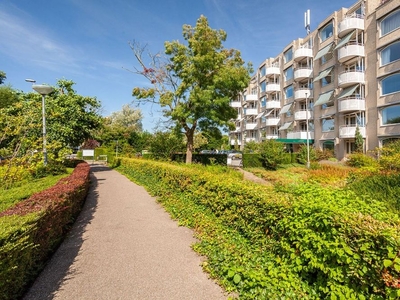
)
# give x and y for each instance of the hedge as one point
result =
(305, 243)
(32, 229)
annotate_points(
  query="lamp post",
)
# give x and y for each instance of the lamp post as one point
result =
(308, 142)
(42, 90)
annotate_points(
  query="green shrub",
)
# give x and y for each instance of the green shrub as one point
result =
(272, 154)
(302, 155)
(305, 243)
(252, 160)
(360, 160)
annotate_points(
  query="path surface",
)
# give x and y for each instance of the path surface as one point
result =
(124, 246)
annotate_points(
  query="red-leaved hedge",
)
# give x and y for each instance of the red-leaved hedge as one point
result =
(32, 230)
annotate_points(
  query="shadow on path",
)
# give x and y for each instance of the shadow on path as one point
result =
(57, 270)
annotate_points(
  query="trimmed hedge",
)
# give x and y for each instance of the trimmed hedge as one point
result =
(305, 243)
(32, 229)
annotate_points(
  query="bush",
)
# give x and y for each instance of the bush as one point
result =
(32, 229)
(252, 160)
(302, 155)
(325, 154)
(272, 154)
(360, 160)
(52, 168)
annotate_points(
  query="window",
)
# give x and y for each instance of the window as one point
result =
(263, 102)
(327, 79)
(328, 125)
(289, 73)
(390, 84)
(263, 86)
(391, 115)
(262, 71)
(390, 54)
(326, 32)
(328, 145)
(390, 23)
(288, 55)
(289, 92)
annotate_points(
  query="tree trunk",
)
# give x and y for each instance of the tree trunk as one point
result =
(189, 146)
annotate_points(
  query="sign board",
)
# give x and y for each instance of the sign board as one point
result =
(88, 152)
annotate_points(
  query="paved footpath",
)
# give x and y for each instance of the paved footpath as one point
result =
(124, 246)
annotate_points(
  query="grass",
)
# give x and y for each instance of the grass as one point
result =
(21, 192)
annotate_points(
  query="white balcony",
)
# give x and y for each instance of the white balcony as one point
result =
(302, 73)
(349, 131)
(251, 97)
(272, 87)
(350, 51)
(270, 137)
(236, 104)
(236, 142)
(302, 115)
(271, 121)
(350, 78)
(300, 135)
(251, 126)
(251, 111)
(349, 24)
(302, 94)
(270, 71)
(272, 104)
(302, 53)
(351, 104)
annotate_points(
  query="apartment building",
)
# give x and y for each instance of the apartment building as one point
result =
(342, 77)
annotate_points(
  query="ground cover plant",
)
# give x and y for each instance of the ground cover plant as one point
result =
(33, 228)
(311, 242)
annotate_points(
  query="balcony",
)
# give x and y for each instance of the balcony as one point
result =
(302, 53)
(300, 135)
(349, 131)
(302, 94)
(271, 121)
(251, 126)
(273, 87)
(270, 137)
(251, 112)
(349, 24)
(302, 73)
(351, 104)
(271, 71)
(236, 104)
(251, 97)
(302, 115)
(350, 51)
(350, 78)
(272, 104)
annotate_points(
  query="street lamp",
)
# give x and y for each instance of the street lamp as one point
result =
(308, 142)
(42, 90)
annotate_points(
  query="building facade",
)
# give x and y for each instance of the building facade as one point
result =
(341, 78)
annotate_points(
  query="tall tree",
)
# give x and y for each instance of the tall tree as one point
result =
(2, 77)
(128, 118)
(195, 84)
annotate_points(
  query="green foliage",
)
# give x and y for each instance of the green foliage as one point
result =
(359, 141)
(325, 154)
(302, 156)
(164, 144)
(251, 147)
(252, 160)
(307, 242)
(272, 154)
(360, 160)
(389, 156)
(195, 84)
(8, 96)
(32, 229)
(2, 77)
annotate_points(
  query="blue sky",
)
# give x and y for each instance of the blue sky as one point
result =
(87, 40)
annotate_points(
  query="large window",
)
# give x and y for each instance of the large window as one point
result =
(328, 79)
(326, 32)
(262, 71)
(289, 73)
(391, 115)
(328, 125)
(391, 84)
(288, 55)
(289, 92)
(263, 86)
(390, 53)
(390, 23)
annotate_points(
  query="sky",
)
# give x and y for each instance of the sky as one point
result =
(87, 41)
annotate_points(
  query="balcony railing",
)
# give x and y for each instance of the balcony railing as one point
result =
(300, 135)
(236, 104)
(251, 126)
(302, 73)
(348, 78)
(271, 121)
(351, 50)
(351, 104)
(300, 94)
(302, 115)
(352, 22)
(302, 53)
(273, 70)
(251, 111)
(273, 104)
(272, 87)
(349, 131)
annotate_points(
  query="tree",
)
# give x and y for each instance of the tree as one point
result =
(2, 77)
(272, 153)
(164, 144)
(128, 118)
(359, 141)
(8, 96)
(195, 84)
